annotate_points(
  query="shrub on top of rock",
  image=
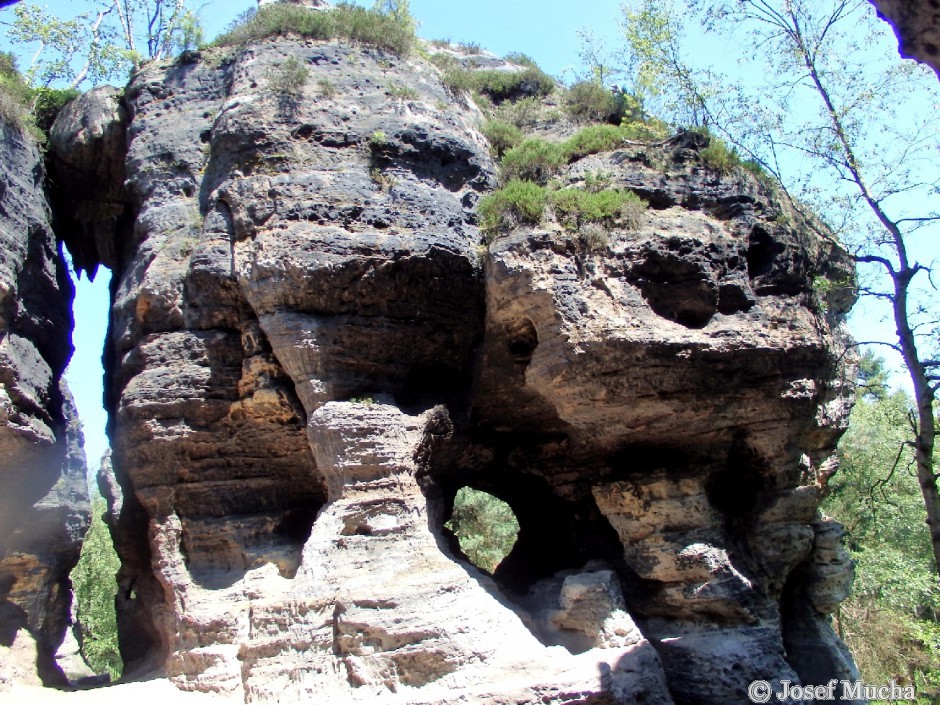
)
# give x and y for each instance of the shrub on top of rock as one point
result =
(502, 136)
(534, 159)
(384, 30)
(521, 202)
(518, 202)
(591, 102)
(496, 85)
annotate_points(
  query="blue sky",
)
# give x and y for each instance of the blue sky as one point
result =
(544, 29)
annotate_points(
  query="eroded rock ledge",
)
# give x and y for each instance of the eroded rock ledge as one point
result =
(310, 353)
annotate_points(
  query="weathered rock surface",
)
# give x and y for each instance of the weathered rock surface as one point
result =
(917, 26)
(310, 354)
(44, 503)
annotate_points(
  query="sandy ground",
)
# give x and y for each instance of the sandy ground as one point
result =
(157, 691)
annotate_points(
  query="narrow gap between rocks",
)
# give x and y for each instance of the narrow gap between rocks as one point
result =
(90, 655)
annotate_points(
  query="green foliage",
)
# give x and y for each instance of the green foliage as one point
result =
(597, 181)
(15, 95)
(591, 102)
(104, 43)
(522, 201)
(326, 88)
(518, 202)
(502, 136)
(385, 182)
(646, 130)
(574, 207)
(392, 30)
(521, 113)
(485, 527)
(378, 140)
(30, 110)
(653, 31)
(497, 86)
(591, 140)
(537, 159)
(890, 620)
(872, 377)
(877, 497)
(288, 79)
(63, 43)
(510, 85)
(47, 102)
(399, 11)
(521, 59)
(593, 237)
(95, 587)
(534, 159)
(402, 92)
(717, 155)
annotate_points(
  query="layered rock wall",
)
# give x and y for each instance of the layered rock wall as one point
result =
(311, 352)
(44, 503)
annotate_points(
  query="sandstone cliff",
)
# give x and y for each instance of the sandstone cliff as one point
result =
(44, 502)
(917, 26)
(311, 351)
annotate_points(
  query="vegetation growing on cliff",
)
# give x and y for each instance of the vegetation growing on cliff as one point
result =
(521, 202)
(496, 86)
(95, 586)
(30, 110)
(388, 26)
(15, 102)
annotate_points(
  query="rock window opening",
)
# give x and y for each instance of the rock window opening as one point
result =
(485, 527)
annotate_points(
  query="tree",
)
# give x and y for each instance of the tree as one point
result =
(485, 527)
(95, 587)
(60, 43)
(398, 10)
(841, 133)
(889, 622)
(104, 41)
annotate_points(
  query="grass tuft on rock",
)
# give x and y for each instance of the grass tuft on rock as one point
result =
(345, 21)
(518, 202)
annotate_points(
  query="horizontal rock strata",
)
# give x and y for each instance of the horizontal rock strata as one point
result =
(311, 352)
(44, 503)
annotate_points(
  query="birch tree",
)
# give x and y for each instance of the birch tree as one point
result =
(845, 127)
(102, 42)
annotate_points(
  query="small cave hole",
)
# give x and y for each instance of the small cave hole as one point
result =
(761, 250)
(522, 339)
(485, 527)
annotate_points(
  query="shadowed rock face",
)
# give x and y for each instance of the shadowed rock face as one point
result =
(917, 26)
(44, 502)
(310, 354)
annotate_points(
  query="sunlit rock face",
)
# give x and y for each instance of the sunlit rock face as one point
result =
(917, 26)
(44, 500)
(311, 352)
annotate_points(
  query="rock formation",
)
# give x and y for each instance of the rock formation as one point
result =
(44, 503)
(917, 26)
(311, 351)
